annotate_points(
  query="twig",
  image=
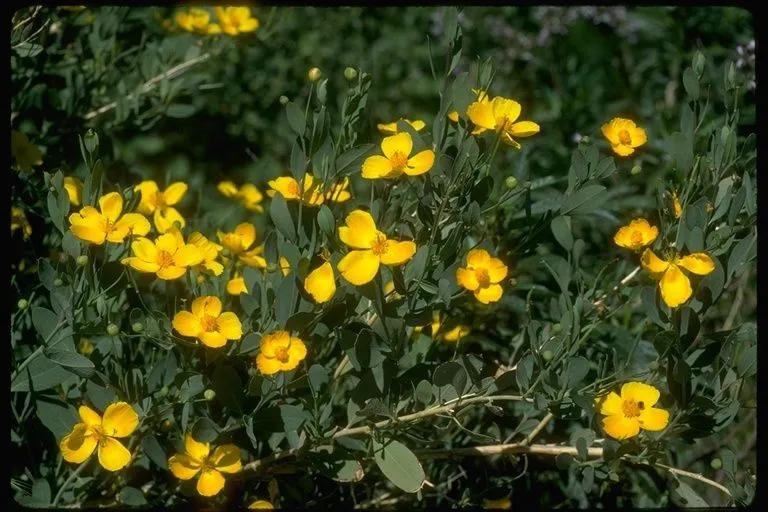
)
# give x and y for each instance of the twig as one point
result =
(543, 423)
(624, 281)
(695, 476)
(150, 84)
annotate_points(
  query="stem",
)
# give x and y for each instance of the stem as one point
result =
(69, 479)
(38, 350)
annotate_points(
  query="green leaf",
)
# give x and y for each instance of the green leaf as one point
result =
(326, 221)
(683, 496)
(72, 361)
(561, 229)
(205, 431)
(415, 267)
(99, 396)
(399, 465)
(424, 392)
(228, 387)
(250, 343)
(296, 119)
(583, 201)
(132, 497)
(575, 371)
(56, 415)
(318, 377)
(605, 168)
(154, 451)
(281, 217)
(42, 373)
(293, 417)
(351, 160)
(285, 299)
(41, 492)
(180, 110)
(742, 253)
(525, 372)
(691, 83)
(451, 374)
(45, 321)
(191, 387)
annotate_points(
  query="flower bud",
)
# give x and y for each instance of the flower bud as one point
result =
(547, 355)
(91, 140)
(585, 139)
(85, 347)
(636, 170)
(350, 74)
(52, 189)
(698, 64)
(112, 329)
(137, 327)
(63, 257)
(510, 182)
(284, 100)
(82, 260)
(58, 282)
(22, 304)
(557, 328)
(731, 77)
(166, 424)
(209, 394)
(716, 463)
(314, 74)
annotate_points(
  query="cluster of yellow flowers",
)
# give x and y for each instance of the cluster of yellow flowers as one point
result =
(229, 20)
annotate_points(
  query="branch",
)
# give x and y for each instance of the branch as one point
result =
(150, 84)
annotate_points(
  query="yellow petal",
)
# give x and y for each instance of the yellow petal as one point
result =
(172, 272)
(174, 193)
(653, 263)
(229, 326)
(183, 466)
(164, 219)
(188, 255)
(640, 392)
(113, 456)
(388, 128)
(274, 340)
(297, 351)
(359, 267)
(167, 242)
(400, 143)
(198, 451)
(226, 458)
(236, 286)
(87, 233)
(619, 426)
(132, 224)
(610, 133)
(612, 404)
(505, 110)
(360, 230)
(90, 417)
(141, 265)
(398, 253)
(260, 504)
(287, 187)
(267, 365)
(187, 324)
(699, 263)
(497, 270)
(247, 233)
(285, 266)
(74, 189)
(120, 420)
(210, 483)
(489, 294)
(524, 129)
(227, 188)
(653, 419)
(144, 249)
(481, 115)
(420, 163)
(416, 124)
(212, 339)
(675, 287)
(376, 167)
(638, 137)
(478, 258)
(453, 116)
(254, 258)
(207, 305)
(622, 150)
(111, 206)
(78, 445)
(321, 283)
(467, 278)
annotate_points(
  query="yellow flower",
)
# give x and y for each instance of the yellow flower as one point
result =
(260, 504)
(397, 160)
(19, 221)
(85, 347)
(633, 410)
(107, 224)
(74, 189)
(624, 135)
(288, 187)
(197, 458)
(434, 325)
(339, 192)
(213, 28)
(391, 128)
(502, 504)
(482, 275)
(456, 333)
(236, 285)
(241, 243)
(676, 206)
(280, 352)
(373, 248)
(285, 266)
(501, 115)
(120, 420)
(207, 323)
(321, 283)
(210, 252)
(248, 195)
(481, 96)
(168, 256)
(160, 203)
(236, 20)
(674, 284)
(194, 20)
(25, 153)
(636, 235)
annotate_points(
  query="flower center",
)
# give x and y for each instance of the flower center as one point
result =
(637, 238)
(631, 408)
(482, 277)
(399, 160)
(164, 259)
(281, 354)
(209, 323)
(293, 188)
(379, 245)
(108, 225)
(624, 137)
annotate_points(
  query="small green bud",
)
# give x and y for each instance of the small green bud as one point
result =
(58, 282)
(209, 394)
(137, 326)
(284, 100)
(166, 425)
(547, 355)
(350, 74)
(510, 182)
(557, 328)
(163, 391)
(314, 74)
(636, 170)
(252, 371)
(731, 77)
(716, 463)
(112, 329)
(91, 140)
(52, 189)
(82, 260)
(22, 304)
(698, 64)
